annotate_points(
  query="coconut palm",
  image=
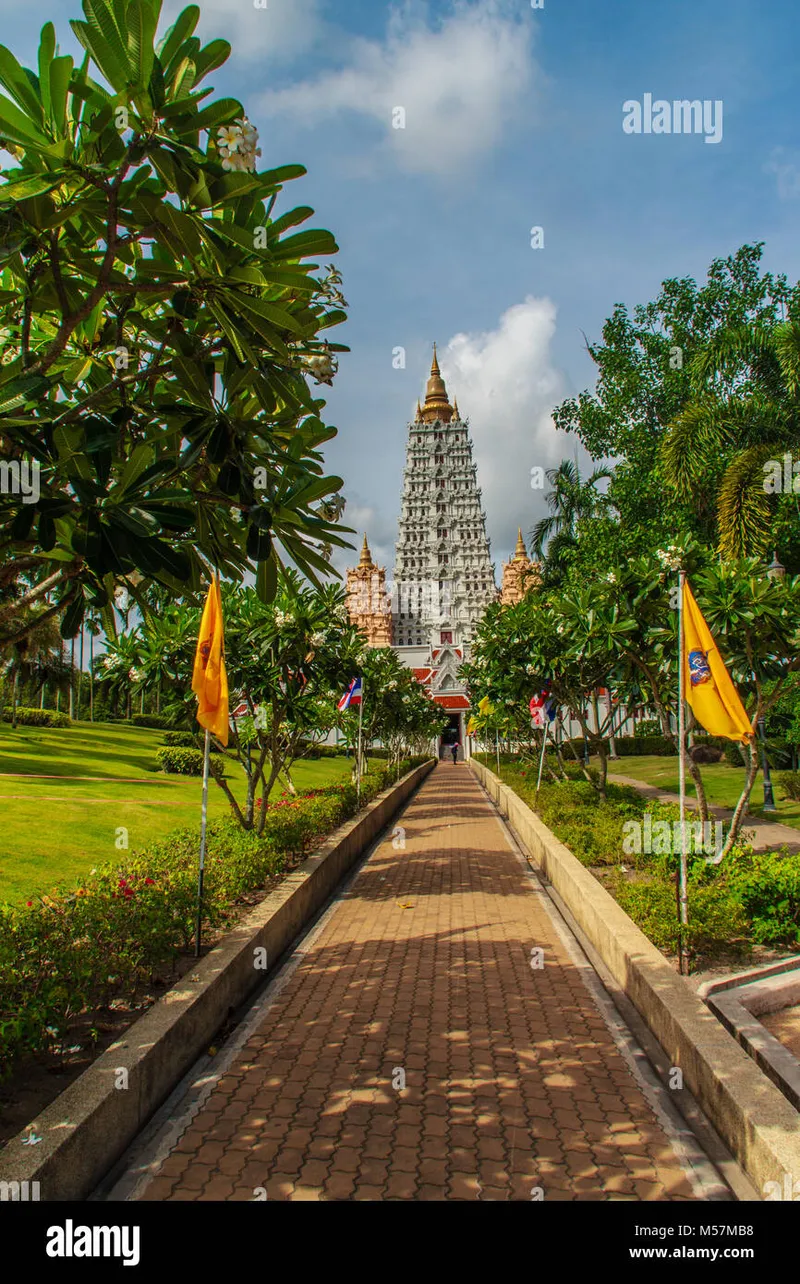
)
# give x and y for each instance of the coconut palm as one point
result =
(746, 412)
(571, 501)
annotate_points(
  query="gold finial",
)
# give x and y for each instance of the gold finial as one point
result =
(419, 412)
(520, 551)
(456, 415)
(366, 557)
(436, 404)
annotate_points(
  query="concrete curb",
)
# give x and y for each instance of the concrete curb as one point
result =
(87, 1128)
(738, 1002)
(754, 1119)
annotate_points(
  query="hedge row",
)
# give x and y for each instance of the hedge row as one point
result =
(39, 717)
(75, 949)
(630, 746)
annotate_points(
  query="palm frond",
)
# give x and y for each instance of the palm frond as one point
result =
(743, 506)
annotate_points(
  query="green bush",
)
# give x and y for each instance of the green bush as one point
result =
(789, 782)
(180, 740)
(185, 762)
(716, 919)
(153, 721)
(767, 887)
(39, 717)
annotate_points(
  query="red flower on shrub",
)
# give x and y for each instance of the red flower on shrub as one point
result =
(150, 882)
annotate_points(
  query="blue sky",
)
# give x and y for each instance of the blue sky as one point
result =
(513, 119)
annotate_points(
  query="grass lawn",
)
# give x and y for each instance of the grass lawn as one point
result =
(56, 829)
(723, 784)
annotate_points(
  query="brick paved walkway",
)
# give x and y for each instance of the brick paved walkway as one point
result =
(513, 1078)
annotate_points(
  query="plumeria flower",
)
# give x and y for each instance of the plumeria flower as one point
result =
(228, 139)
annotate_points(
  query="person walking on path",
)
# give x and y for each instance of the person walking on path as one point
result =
(454, 752)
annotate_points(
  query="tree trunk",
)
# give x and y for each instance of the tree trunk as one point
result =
(80, 675)
(91, 677)
(14, 700)
(744, 798)
(72, 678)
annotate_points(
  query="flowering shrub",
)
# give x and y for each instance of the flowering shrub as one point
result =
(74, 949)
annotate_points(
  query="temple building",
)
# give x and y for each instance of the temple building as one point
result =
(520, 575)
(443, 576)
(368, 603)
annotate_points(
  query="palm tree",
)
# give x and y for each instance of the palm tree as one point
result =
(35, 660)
(745, 412)
(571, 501)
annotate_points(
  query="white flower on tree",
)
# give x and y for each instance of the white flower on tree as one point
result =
(237, 145)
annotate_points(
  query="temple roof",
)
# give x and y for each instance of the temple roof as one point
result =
(436, 405)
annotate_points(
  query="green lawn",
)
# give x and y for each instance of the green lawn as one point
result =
(54, 830)
(723, 784)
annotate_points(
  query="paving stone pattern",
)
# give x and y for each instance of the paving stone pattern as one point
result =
(513, 1079)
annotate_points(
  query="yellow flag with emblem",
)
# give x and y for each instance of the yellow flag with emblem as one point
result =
(209, 678)
(486, 707)
(707, 684)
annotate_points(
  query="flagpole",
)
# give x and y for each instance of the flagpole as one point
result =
(358, 753)
(203, 823)
(541, 760)
(683, 909)
(497, 747)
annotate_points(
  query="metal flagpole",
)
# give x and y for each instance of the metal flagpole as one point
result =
(541, 760)
(683, 908)
(203, 823)
(358, 761)
(497, 747)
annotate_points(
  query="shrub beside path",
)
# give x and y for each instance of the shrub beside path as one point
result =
(516, 1087)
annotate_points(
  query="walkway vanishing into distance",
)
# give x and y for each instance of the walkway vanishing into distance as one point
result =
(521, 1082)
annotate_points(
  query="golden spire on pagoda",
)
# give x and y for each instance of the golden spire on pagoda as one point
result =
(520, 552)
(436, 404)
(366, 557)
(456, 415)
(419, 413)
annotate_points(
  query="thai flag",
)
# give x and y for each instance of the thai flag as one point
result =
(542, 706)
(352, 695)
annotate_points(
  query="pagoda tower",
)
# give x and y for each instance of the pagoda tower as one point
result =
(520, 575)
(444, 578)
(367, 600)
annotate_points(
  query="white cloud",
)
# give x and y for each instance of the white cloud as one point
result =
(785, 165)
(282, 29)
(459, 84)
(507, 386)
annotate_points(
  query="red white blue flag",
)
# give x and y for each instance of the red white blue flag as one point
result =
(352, 695)
(542, 706)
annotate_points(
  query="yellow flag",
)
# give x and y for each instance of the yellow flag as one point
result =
(472, 727)
(209, 679)
(706, 682)
(485, 707)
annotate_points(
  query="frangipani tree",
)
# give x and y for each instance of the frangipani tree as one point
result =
(159, 322)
